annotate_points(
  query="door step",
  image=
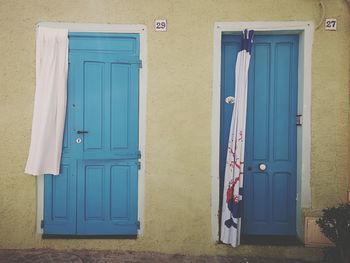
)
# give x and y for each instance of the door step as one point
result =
(271, 240)
(53, 236)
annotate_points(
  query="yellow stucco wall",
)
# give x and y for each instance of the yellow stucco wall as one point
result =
(178, 150)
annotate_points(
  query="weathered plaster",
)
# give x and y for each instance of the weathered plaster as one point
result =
(177, 184)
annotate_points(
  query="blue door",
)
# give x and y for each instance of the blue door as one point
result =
(96, 191)
(269, 199)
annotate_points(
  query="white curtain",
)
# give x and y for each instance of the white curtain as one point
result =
(50, 101)
(233, 182)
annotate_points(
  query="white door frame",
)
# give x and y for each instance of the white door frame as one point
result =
(305, 31)
(112, 28)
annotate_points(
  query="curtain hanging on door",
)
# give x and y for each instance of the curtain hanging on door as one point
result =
(233, 182)
(50, 101)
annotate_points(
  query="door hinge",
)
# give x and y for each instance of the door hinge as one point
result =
(299, 119)
(139, 165)
(138, 224)
(140, 63)
(139, 155)
(42, 224)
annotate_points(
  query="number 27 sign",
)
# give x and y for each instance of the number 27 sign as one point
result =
(331, 24)
(160, 25)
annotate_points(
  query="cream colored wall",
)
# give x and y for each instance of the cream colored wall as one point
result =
(178, 151)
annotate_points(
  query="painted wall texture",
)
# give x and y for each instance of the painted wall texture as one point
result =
(178, 150)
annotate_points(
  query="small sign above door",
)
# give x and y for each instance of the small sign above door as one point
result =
(160, 25)
(331, 24)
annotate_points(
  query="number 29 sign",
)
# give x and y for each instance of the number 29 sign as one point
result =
(160, 25)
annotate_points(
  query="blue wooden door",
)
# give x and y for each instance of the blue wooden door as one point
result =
(96, 192)
(269, 204)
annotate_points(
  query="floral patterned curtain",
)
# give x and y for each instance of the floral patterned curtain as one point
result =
(233, 182)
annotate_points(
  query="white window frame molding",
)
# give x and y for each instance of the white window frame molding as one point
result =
(112, 28)
(305, 30)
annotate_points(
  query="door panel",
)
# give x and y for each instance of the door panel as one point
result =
(120, 44)
(98, 185)
(260, 189)
(120, 80)
(124, 117)
(93, 105)
(60, 200)
(94, 177)
(269, 196)
(280, 182)
(107, 195)
(109, 104)
(261, 99)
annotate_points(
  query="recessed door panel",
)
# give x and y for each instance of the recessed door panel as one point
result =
(60, 194)
(283, 90)
(94, 192)
(93, 105)
(67, 135)
(261, 101)
(280, 194)
(60, 200)
(260, 194)
(109, 194)
(120, 81)
(120, 192)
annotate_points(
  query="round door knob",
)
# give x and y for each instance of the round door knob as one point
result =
(230, 100)
(262, 167)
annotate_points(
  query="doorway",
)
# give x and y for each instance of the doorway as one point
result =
(269, 199)
(305, 31)
(96, 192)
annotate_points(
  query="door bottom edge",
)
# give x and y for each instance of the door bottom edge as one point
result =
(80, 236)
(271, 240)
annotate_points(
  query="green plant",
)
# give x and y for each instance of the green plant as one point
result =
(335, 225)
